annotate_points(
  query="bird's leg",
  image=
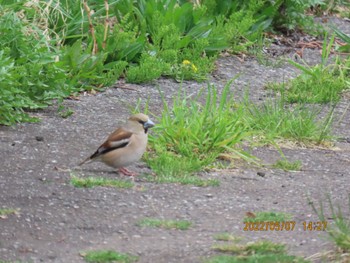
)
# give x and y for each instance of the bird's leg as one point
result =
(126, 172)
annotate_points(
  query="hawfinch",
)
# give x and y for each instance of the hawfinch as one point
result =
(125, 145)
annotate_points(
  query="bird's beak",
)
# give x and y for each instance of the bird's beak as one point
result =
(148, 124)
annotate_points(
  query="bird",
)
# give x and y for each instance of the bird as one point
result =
(125, 145)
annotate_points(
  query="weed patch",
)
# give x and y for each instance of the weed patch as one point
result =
(276, 119)
(5, 212)
(339, 232)
(191, 136)
(261, 251)
(320, 87)
(287, 165)
(90, 182)
(166, 224)
(280, 258)
(105, 256)
(226, 237)
(317, 84)
(268, 217)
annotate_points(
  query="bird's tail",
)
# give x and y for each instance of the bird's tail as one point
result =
(87, 160)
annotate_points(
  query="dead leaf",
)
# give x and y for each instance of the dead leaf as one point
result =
(250, 215)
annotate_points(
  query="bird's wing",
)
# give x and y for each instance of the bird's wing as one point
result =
(120, 138)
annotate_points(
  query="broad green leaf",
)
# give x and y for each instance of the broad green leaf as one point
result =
(130, 51)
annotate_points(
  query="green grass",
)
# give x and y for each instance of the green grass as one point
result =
(261, 251)
(274, 258)
(287, 165)
(346, 40)
(170, 166)
(322, 86)
(322, 83)
(276, 120)
(56, 48)
(196, 131)
(226, 237)
(190, 136)
(339, 231)
(166, 224)
(65, 112)
(261, 247)
(4, 212)
(181, 144)
(268, 217)
(90, 182)
(105, 256)
(38, 66)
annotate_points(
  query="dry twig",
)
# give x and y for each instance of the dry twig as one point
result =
(91, 26)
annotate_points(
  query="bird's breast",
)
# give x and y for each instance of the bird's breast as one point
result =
(127, 155)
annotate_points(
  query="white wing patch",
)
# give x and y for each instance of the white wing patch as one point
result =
(116, 144)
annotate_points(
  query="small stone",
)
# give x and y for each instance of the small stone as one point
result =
(39, 138)
(261, 174)
(275, 202)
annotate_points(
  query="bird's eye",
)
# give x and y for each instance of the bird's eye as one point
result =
(141, 122)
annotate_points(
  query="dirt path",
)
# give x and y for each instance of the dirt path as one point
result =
(57, 221)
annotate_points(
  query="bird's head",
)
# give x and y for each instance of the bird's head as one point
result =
(143, 120)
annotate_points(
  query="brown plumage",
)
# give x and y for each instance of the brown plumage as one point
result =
(125, 145)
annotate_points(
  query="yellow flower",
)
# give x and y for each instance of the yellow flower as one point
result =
(194, 68)
(187, 62)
